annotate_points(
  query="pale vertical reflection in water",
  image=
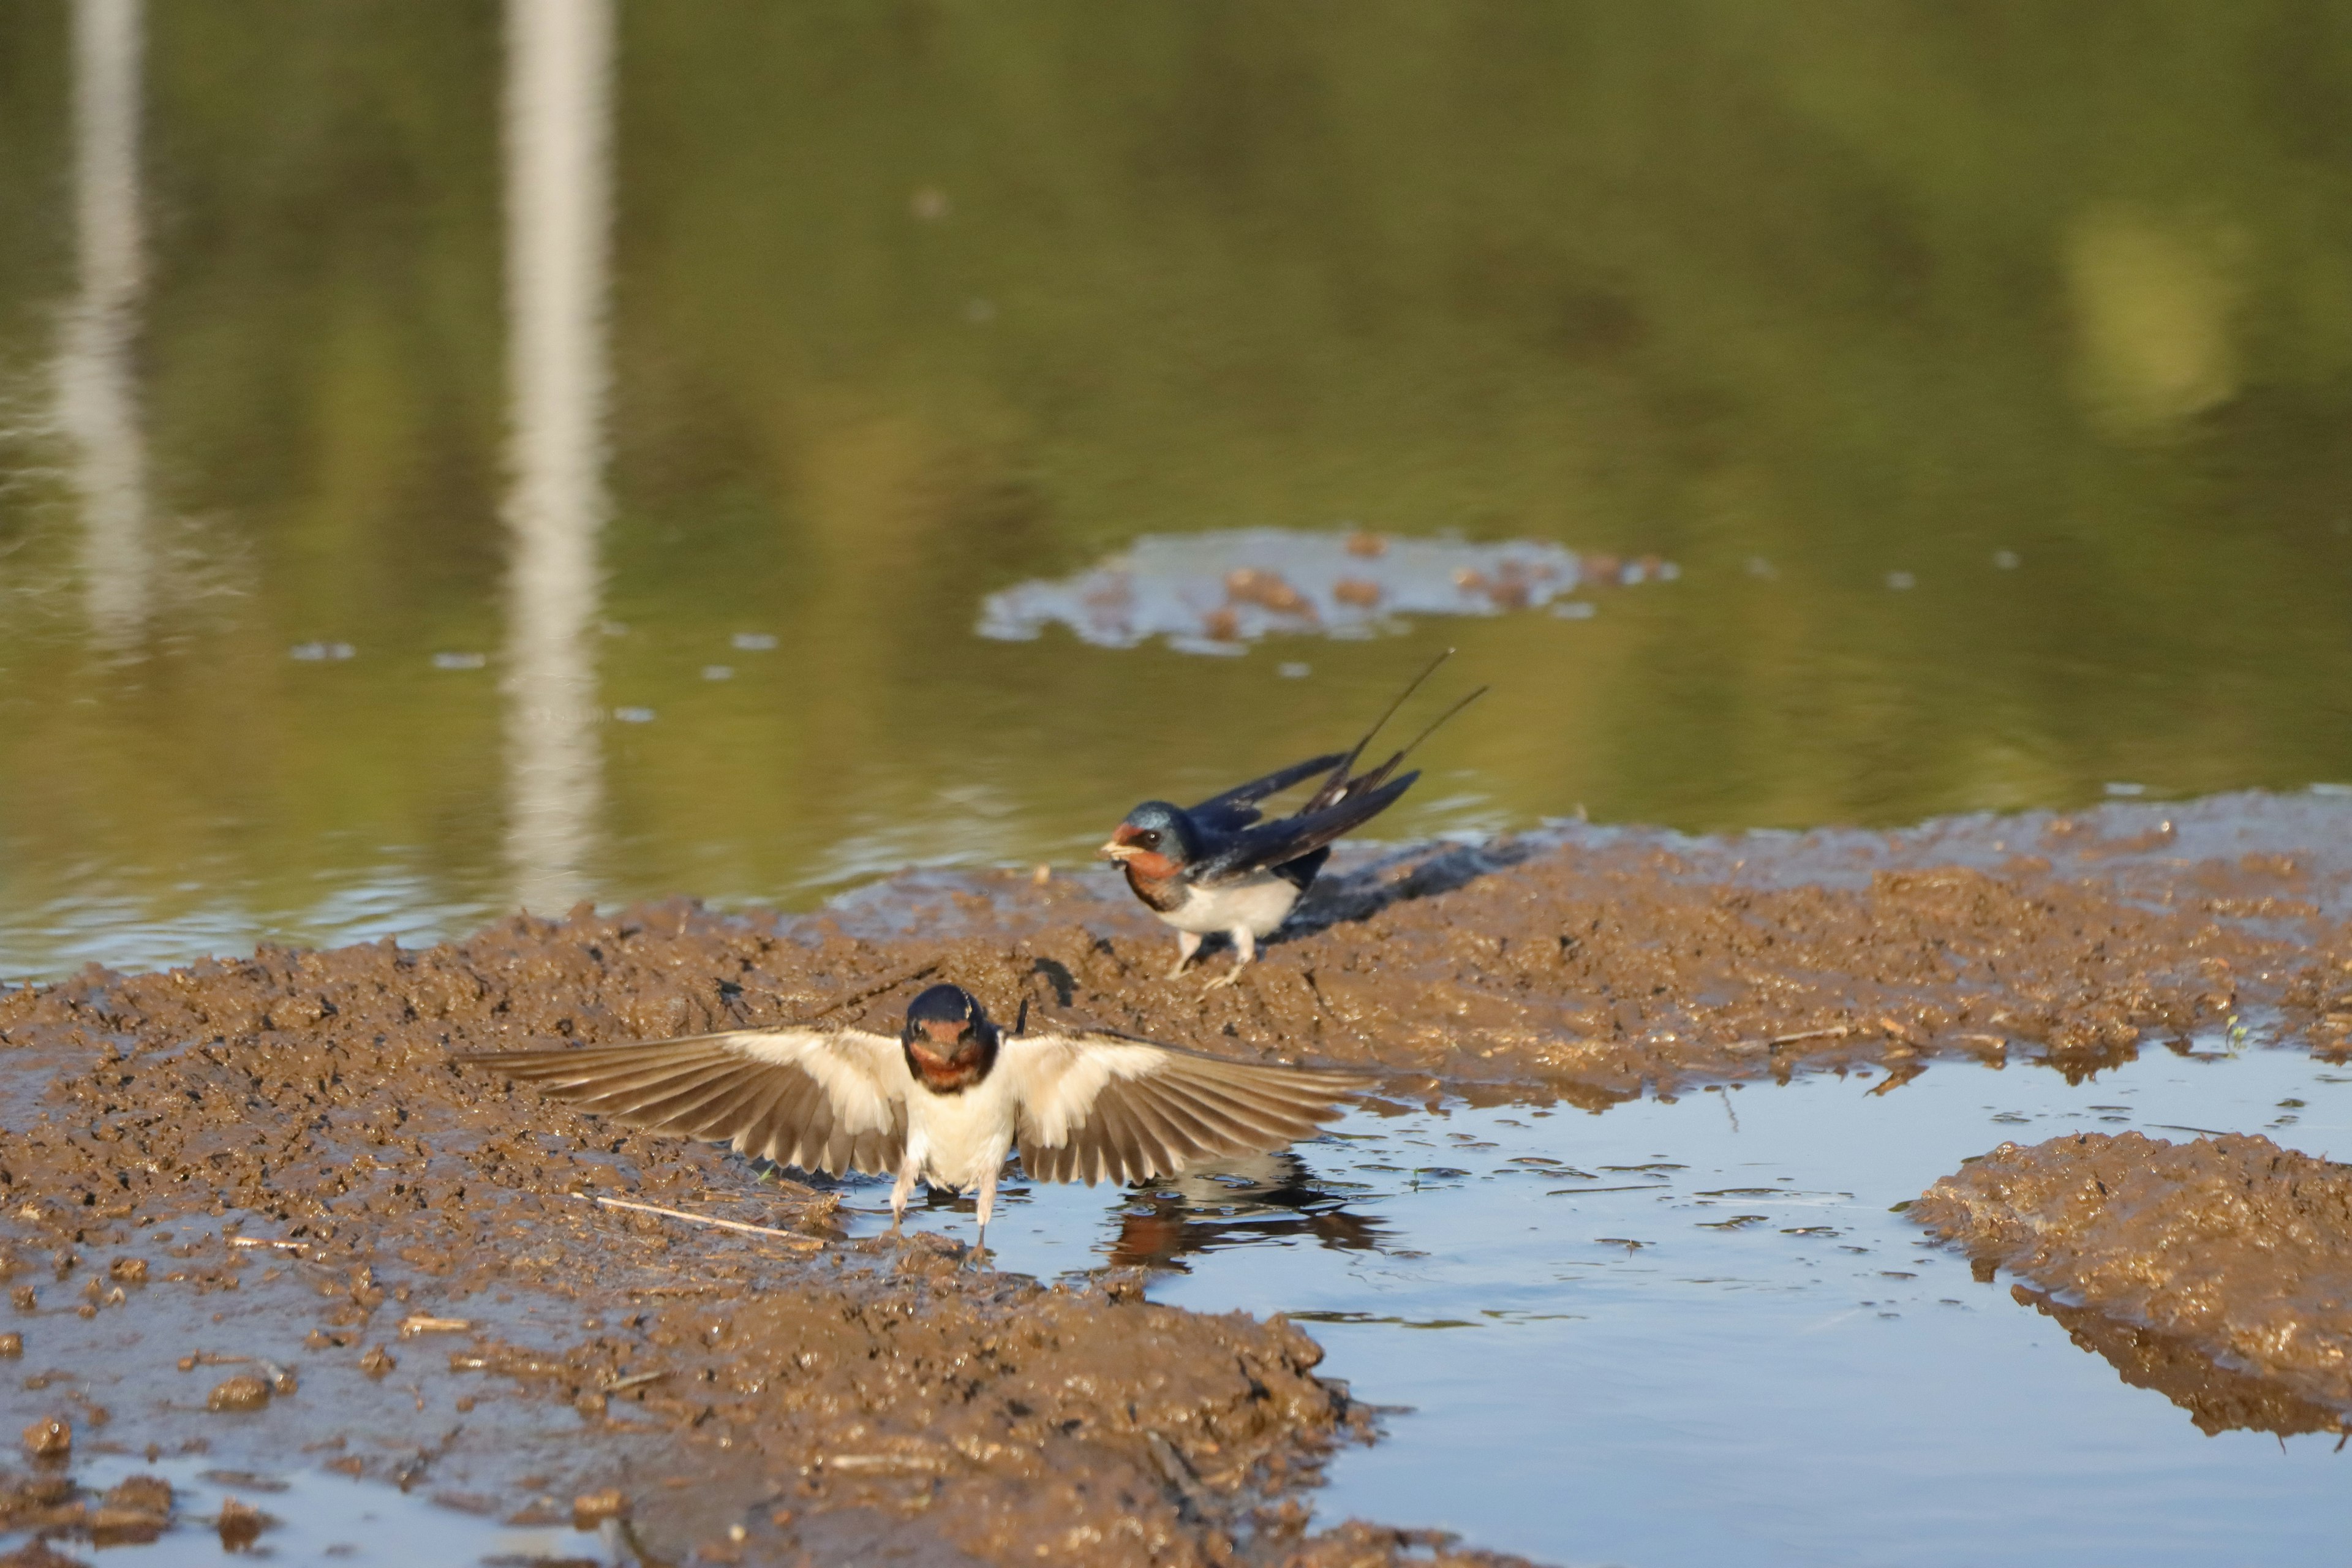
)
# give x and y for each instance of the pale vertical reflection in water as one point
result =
(97, 407)
(559, 93)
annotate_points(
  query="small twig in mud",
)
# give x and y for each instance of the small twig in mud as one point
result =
(618, 1383)
(417, 1324)
(264, 1241)
(1835, 1032)
(795, 1238)
(872, 991)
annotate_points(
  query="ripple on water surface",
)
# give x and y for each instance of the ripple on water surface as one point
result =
(1693, 1332)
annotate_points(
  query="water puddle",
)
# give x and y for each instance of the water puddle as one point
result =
(1215, 593)
(304, 1518)
(1693, 1332)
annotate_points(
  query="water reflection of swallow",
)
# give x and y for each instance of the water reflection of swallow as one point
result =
(1223, 1202)
(945, 1101)
(1216, 868)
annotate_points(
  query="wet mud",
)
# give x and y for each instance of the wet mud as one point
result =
(2228, 1250)
(251, 1209)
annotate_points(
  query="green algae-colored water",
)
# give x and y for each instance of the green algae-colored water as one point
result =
(649, 402)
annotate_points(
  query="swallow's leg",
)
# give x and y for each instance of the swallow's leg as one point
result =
(1188, 943)
(899, 1194)
(1245, 952)
(987, 1208)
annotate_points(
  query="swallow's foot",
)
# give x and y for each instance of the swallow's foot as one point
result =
(1188, 947)
(1227, 978)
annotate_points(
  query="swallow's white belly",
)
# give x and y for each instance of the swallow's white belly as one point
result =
(959, 1139)
(1257, 906)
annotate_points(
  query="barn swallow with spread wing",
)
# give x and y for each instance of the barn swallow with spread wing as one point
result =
(1216, 868)
(945, 1100)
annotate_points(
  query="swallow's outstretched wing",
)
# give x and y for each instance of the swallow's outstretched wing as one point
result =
(823, 1099)
(1104, 1107)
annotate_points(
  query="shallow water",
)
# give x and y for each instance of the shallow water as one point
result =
(320, 1521)
(456, 457)
(1694, 1333)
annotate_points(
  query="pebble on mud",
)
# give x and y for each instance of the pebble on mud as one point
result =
(378, 1362)
(25, 1298)
(49, 1438)
(243, 1392)
(592, 1508)
(12, 1345)
(128, 1270)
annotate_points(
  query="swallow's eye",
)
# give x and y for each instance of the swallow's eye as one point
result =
(1148, 838)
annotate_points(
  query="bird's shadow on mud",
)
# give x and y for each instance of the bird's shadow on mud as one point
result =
(1423, 872)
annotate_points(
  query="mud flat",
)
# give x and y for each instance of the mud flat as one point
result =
(251, 1211)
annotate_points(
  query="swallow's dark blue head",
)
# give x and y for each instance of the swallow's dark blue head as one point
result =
(949, 1041)
(1156, 840)
(943, 1004)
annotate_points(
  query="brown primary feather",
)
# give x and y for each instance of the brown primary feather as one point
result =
(1186, 1107)
(706, 1088)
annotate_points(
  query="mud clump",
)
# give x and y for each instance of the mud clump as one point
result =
(244, 1392)
(2231, 1248)
(240, 1524)
(49, 1438)
(39, 1554)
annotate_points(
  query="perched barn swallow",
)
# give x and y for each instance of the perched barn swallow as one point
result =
(1216, 868)
(945, 1101)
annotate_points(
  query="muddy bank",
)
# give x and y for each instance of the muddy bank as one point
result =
(1595, 965)
(250, 1208)
(253, 1210)
(2228, 1248)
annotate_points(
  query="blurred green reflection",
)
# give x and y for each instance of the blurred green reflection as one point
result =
(911, 303)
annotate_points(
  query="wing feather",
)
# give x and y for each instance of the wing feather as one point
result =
(1101, 1107)
(1237, 807)
(1223, 1124)
(1248, 1116)
(1162, 1123)
(762, 1129)
(822, 1100)
(1126, 1138)
(1271, 844)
